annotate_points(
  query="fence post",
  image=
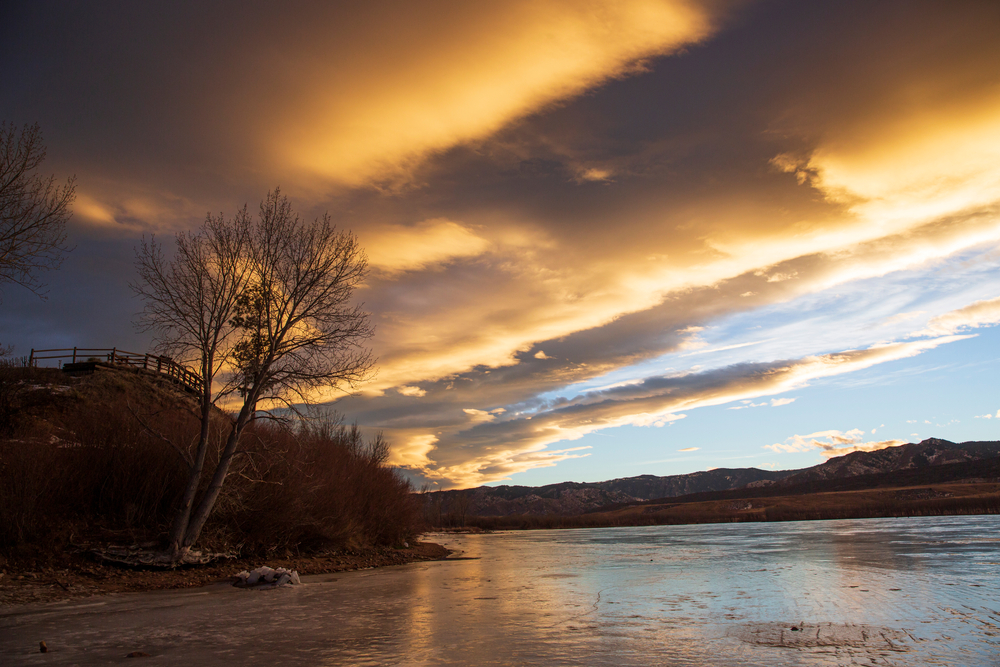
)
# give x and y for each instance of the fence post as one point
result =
(113, 350)
(31, 358)
(74, 355)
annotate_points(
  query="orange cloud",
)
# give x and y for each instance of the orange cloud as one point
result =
(900, 165)
(532, 298)
(412, 450)
(133, 209)
(370, 115)
(397, 248)
(914, 189)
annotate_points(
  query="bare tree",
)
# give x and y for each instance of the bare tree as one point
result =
(33, 209)
(264, 307)
(190, 302)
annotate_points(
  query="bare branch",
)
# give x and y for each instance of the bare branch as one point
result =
(185, 456)
(263, 306)
(33, 209)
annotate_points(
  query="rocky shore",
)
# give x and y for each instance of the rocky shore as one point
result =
(69, 576)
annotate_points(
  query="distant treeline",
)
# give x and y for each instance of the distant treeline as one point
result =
(982, 499)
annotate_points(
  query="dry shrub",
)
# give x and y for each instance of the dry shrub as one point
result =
(121, 473)
(310, 487)
(16, 375)
(26, 491)
(85, 464)
(96, 459)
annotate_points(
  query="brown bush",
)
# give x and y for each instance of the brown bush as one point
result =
(17, 375)
(92, 459)
(313, 486)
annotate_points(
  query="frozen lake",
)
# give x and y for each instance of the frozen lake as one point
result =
(919, 591)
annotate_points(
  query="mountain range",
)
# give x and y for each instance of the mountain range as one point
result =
(572, 498)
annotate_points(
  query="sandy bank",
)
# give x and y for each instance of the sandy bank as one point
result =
(68, 576)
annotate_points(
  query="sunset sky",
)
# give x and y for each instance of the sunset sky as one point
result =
(606, 238)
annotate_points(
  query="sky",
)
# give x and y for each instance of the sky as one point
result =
(605, 238)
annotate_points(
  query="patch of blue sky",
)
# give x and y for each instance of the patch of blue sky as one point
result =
(945, 392)
(852, 315)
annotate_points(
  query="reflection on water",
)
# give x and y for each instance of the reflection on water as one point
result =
(879, 591)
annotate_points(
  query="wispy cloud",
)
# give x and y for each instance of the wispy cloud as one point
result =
(492, 451)
(725, 348)
(984, 313)
(775, 402)
(832, 443)
(901, 317)
(132, 209)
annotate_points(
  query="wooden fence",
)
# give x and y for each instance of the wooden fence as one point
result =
(182, 375)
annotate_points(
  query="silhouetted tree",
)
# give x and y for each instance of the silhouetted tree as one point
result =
(263, 306)
(460, 502)
(190, 300)
(33, 209)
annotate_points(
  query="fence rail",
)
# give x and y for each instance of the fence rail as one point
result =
(151, 362)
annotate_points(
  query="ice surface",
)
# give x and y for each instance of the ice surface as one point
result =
(882, 591)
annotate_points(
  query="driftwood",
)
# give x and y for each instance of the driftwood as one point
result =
(141, 558)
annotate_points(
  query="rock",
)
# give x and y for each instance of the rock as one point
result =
(266, 577)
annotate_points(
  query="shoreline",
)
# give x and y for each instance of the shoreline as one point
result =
(76, 576)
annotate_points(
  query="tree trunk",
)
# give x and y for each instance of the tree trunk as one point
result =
(200, 516)
(183, 516)
(176, 547)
